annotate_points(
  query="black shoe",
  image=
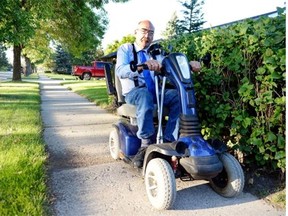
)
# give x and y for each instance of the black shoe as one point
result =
(139, 158)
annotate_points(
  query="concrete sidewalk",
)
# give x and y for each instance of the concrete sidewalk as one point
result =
(85, 180)
(75, 127)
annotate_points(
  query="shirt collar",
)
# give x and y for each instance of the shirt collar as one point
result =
(137, 48)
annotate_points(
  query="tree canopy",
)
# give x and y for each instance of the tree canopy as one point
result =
(77, 25)
(116, 44)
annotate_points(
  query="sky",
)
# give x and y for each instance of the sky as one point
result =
(123, 17)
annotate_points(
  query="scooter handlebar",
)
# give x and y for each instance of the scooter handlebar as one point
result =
(135, 67)
(144, 66)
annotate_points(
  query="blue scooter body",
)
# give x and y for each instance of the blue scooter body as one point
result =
(196, 156)
(129, 142)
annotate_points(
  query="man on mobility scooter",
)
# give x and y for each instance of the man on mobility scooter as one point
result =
(187, 155)
(138, 88)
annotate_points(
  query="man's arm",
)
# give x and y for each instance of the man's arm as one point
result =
(124, 57)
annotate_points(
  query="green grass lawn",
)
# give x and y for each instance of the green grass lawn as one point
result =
(22, 152)
(60, 76)
(94, 90)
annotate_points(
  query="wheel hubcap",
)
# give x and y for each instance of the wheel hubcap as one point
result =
(152, 184)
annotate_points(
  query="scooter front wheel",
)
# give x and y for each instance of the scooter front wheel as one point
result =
(114, 144)
(230, 182)
(160, 184)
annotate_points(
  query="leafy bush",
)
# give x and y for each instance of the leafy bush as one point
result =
(241, 94)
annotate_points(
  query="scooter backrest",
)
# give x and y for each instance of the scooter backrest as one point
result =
(109, 79)
(118, 87)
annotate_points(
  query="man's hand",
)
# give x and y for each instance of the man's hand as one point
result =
(153, 65)
(195, 65)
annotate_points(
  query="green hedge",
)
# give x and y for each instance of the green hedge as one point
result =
(241, 94)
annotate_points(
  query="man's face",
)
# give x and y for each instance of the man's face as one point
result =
(144, 34)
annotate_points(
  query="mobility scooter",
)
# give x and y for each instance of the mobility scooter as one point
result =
(190, 157)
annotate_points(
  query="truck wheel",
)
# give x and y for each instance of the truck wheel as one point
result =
(86, 76)
(114, 144)
(160, 184)
(230, 182)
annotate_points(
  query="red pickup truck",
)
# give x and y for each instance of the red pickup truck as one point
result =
(86, 72)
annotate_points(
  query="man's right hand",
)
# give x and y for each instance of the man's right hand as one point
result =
(153, 65)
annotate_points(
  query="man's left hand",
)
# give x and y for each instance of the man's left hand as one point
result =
(195, 65)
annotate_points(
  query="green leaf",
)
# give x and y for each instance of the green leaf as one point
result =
(271, 147)
(239, 118)
(280, 141)
(246, 89)
(243, 29)
(261, 70)
(271, 68)
(257, 141)
(266, 157)
(271, 136)
(246, 122)
(279, 38)
(280, 154)
(253, 39)
(269, 52)
(276, 75)
(261, 149)
(267, 97)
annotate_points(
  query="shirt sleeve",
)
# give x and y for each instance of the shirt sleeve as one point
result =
(124, 57)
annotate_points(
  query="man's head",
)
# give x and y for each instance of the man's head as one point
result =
(144, 34)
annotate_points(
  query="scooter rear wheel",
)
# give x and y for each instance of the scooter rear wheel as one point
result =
(160, 184)
(114, 144)
(230, 182)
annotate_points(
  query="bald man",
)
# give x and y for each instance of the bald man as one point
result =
(138, 94)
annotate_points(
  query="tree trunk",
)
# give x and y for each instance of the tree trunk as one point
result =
(28, 66)
(34, 68)
(17, 63)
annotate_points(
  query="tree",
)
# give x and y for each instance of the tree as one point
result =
(16, 27)
(171, 28)
(4, 64)
(88, 57)
(37, 50)
(116, 44)
(74, 24)
(62, 61)
(193, 18)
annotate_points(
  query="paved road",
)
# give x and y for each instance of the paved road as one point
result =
(5, 75)
(84, 180)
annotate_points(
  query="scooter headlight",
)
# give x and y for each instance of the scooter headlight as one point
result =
(184, 67)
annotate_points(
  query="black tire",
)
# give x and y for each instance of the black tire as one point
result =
(230, 182)
(114, 144)
(160, 184)
(86, 76)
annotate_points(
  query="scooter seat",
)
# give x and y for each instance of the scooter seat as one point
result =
(128, 110)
